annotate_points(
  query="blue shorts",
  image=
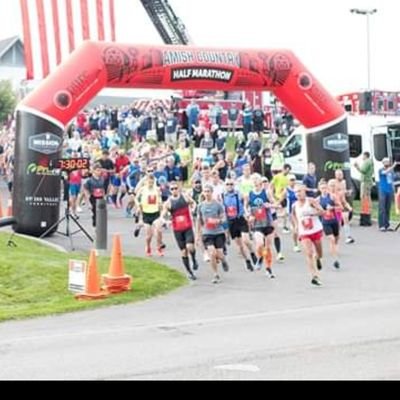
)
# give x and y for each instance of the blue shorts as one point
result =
(74, 189)
(116, 181)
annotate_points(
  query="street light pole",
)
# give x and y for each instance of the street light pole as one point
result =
(367, 13)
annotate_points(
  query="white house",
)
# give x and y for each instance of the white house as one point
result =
(12, 62)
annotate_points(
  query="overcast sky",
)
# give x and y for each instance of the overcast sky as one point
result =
(326, 37)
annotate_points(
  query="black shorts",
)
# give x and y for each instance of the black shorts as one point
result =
(218, 241)
(237, 227)
(185, 173)
(148, 219)
(284, 203)
(331, 228)
(184, 238)
(268, 230)
(274, 216)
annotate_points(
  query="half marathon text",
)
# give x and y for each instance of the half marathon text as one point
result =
(214, 74)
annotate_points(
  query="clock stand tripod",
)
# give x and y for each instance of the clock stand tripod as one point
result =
(69, 219)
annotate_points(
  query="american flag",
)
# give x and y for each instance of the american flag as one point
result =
(52, 29)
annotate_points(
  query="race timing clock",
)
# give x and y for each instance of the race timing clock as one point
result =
(73, 164)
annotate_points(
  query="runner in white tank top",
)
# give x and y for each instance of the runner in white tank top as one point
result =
(306, 212)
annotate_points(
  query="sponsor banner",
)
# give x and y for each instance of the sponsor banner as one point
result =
(338, 142)
(329, 151)
(45, 143)
(36, 192)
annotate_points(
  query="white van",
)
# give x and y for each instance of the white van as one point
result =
(378, 135)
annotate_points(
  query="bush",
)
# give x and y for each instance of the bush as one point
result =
(8, 100)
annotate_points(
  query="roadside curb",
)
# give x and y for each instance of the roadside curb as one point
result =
(45, 243)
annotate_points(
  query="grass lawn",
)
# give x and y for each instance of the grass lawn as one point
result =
(34, 281)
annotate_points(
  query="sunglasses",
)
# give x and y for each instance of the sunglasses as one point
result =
(174, 188)
(229, 184)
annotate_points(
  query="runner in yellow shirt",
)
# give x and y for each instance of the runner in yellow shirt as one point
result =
(149, 199)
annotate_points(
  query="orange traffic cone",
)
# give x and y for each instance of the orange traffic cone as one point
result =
(116, 281)
(365, 215)
(93, 291)
(365, 206)
(9, 208)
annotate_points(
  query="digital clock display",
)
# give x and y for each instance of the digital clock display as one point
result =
(73, 164)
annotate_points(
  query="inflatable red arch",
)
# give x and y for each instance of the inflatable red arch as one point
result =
(42, 116)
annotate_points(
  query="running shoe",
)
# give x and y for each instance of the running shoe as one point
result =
(160, 251)
(195, 266)
(259, 264)
(336, 264)
(136, 232)
(192, 277)
(269, 274)
(280, 257)
(225, 265)
(296, 249)
(254, 258)
(316, 282)
(148, 252)
(249, 266)
(216, 280)
(350, 240)
(285, 229)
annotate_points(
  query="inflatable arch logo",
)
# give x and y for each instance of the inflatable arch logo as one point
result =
(95, 66)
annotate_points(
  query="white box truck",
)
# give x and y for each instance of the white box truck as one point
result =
(378, 135)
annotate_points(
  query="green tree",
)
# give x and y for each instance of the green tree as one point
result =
(8, 100)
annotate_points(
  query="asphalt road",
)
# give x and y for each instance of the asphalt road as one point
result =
(249, 327)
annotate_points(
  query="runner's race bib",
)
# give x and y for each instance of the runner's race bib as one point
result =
(182, 223)
(231, 212)
(152, 199)
(329, 215)
(98, 193)
(211, 223)
(260, 214)
(307, 223)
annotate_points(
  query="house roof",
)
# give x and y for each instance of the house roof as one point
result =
(6, 44)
